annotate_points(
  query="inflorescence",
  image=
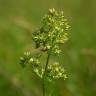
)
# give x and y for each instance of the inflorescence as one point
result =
(48, 38)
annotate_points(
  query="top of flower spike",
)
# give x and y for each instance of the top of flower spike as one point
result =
(52, 32)
(53, 11)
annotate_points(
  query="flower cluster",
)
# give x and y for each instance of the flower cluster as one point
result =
(28, 59)
(54, 71)
(48, 37)
(53, 31)
(24, 60)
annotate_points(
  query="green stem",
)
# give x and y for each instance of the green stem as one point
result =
(44, 76)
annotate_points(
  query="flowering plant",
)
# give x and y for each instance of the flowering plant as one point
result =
(48, 39)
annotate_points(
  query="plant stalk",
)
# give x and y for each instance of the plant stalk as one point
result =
(44, 75)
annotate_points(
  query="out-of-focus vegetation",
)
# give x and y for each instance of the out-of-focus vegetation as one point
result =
(18, 18)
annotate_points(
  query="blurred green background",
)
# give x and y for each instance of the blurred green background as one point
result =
(18, 18)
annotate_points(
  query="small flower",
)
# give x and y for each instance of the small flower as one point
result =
(31, 60)
(26, 53)
(57, 51)
(51, 11)
(36, 70)
(57, 69)
(48, 46)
